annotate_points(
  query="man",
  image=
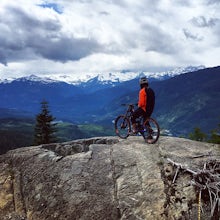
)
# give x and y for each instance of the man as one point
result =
(145, 103)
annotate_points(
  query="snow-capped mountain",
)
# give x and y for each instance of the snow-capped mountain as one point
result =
(34, 78)
(31, 78)
(122, 76)
(94, 102)
(103, 78)
(180, 70)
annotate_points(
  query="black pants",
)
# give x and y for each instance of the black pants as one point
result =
(139, 112)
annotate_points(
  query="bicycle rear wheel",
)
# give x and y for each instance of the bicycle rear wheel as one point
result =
(152, 131)
(122, 126)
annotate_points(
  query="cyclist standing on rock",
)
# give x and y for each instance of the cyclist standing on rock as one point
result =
(145, 104)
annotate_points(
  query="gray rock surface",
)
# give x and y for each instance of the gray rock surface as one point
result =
(103, 178)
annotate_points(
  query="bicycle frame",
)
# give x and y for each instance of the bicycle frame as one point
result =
(128, 115)
(147, 127)
(129, 111)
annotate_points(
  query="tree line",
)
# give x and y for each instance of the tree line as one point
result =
(199, 135)
(44, 131)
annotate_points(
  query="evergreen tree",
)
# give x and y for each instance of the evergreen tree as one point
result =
(197, 135)
(44, 128)
(215, 135)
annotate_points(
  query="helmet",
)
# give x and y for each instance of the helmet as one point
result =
(143, 80)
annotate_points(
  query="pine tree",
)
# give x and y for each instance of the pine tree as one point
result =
(215, 135)
(197, 135)
(44, 128)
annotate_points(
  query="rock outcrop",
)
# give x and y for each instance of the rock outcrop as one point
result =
(103, 178)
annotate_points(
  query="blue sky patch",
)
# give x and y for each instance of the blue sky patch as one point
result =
(53, 6)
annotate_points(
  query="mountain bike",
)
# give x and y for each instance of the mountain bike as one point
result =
(148, 128)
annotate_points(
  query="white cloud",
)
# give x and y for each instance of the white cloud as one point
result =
(84, 36)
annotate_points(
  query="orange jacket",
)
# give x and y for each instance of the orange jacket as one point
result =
(142, 102)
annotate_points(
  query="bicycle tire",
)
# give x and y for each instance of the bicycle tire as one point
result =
(152, 129)
(122, 126)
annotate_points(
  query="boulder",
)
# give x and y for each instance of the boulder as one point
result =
(104, 178)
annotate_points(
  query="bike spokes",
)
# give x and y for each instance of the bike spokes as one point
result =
(152, 131)
(122, 126)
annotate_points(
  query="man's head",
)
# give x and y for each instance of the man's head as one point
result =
(143, 82)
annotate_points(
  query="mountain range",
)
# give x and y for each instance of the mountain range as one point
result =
(103, 78)
(184, 100)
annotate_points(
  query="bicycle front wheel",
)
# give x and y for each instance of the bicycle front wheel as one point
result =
(122, 126)
(152, 130)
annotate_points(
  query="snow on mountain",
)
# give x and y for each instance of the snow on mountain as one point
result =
(31, 78)
(181, 70)
(34, 78)
(122, 76)
(104, 78)
(4, 81)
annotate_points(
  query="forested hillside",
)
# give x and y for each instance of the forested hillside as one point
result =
(183, 102)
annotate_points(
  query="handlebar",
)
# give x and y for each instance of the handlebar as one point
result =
(131, 104)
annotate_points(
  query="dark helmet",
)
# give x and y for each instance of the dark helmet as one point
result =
(143, 81)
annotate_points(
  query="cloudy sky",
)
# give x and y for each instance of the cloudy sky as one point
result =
(96, 36)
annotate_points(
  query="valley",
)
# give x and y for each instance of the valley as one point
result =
(183, 102)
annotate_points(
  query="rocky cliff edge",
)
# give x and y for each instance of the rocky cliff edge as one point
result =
(104, 178)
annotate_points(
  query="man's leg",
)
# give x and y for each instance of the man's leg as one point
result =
(149, 137)
(136, 114)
